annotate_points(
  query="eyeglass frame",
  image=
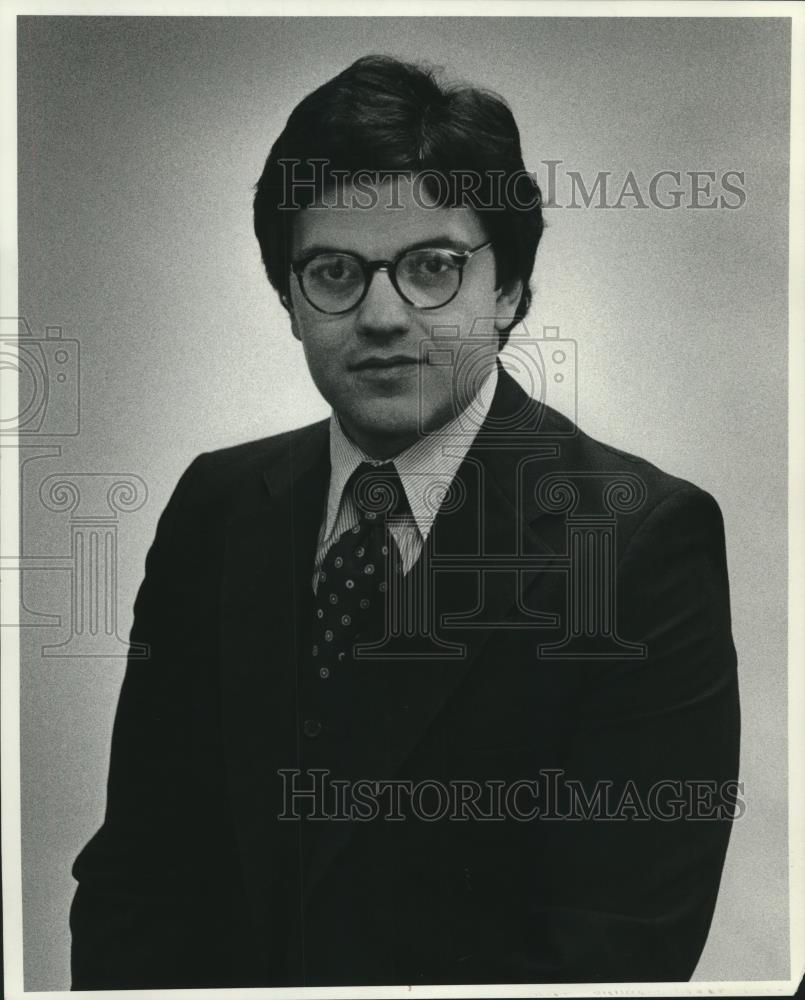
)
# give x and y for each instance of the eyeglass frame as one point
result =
(371, 267)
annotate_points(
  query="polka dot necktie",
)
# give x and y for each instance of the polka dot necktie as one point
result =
(352, 582)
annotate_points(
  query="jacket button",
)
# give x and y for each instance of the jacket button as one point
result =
(311, 728)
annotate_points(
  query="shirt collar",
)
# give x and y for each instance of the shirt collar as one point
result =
(434, 458)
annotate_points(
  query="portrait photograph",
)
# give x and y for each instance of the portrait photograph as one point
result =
(402, 499)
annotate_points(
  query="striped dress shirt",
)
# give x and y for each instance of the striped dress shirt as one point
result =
(426, 470)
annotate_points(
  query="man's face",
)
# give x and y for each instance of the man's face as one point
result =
(382, 406)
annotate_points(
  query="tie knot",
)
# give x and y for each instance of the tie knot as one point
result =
(378, 491)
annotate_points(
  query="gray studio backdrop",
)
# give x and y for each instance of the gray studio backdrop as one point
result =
(139, 142)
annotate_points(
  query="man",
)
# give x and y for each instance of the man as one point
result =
(446, 593)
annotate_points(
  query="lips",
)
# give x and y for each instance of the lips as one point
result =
(376, 363)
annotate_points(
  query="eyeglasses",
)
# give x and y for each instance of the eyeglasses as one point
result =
(426, 278)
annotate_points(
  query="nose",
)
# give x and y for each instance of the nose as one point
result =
(382, 312)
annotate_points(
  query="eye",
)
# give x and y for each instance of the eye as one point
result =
(333, 269)
(434, 263)
(427, 264)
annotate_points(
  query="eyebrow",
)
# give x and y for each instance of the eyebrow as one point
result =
(437, 242)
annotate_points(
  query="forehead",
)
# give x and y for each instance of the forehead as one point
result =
(379, 220)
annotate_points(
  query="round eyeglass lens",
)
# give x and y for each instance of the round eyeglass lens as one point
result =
(429, 278)
(332, 281)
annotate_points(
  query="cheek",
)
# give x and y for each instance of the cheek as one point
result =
(435, 390)
(483, 305)
(323, 340)
(322, 359)
(473, 320)
(470, 315)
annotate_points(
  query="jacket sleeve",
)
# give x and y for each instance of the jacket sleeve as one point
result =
(146, 913)
(631, 890)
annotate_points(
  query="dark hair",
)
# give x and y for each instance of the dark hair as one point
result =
(381, 116)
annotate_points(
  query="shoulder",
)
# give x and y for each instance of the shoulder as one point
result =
(213, 476)
(262, 451)
(640, 495)
(573, 471)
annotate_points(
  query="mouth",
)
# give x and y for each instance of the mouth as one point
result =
(396, 361)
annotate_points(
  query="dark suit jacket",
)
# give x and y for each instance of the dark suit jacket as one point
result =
(629, 675)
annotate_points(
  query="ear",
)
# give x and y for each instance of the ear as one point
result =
(507, 299)
(285, 300)
(295, 327)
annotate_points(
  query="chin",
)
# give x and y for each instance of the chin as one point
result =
(385, 415)
(392, 429)
(382, 427)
